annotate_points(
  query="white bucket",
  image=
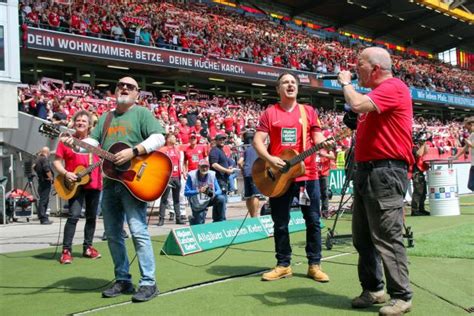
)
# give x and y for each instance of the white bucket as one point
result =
(443, 192)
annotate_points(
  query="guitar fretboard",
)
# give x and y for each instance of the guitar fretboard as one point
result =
(315, 148)
(89, 169)
(99, 152)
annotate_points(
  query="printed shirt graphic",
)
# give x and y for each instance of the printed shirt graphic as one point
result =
(285, 132)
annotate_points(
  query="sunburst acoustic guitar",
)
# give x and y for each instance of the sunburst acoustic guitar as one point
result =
(145, 176)
(275, 182)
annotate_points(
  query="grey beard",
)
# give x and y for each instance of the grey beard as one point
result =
(124, 100)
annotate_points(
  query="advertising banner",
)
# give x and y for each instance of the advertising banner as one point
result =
(196, 238)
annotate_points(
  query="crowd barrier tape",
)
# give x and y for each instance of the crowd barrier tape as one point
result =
(198, 238)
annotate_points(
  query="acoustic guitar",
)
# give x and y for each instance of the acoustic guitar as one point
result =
(145, 176)
(67, 189)
(275, 182)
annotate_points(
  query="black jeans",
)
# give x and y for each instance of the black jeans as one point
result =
(44, 188)
(91, 200)
(377, 227)
(419, 192)
(280, 207)
(174, 186)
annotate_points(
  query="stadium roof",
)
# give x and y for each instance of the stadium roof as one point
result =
(401, 22)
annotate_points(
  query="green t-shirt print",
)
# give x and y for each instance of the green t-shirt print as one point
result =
(131, 127)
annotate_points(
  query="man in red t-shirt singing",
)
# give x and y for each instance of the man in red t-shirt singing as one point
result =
(283, 124)
(383, 153)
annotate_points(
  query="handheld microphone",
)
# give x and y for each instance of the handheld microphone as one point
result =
(333, 76)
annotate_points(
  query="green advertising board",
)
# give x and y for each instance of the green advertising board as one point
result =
(196, 238)
(336, 181)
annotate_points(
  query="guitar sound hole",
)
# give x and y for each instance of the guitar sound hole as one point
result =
(124, 167)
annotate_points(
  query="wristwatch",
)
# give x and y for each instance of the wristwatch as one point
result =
(343, 84)
(135, 151)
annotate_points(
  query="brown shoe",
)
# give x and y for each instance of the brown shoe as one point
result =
(367, 299)
(315, 273)
(277, 273)
(395, 307)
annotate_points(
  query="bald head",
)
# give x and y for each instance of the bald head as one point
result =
(44, 151)
(378, 56)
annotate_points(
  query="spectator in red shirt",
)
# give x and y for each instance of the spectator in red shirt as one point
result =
(174, 186)
(184, 130)
(193, 153)
(53, 19)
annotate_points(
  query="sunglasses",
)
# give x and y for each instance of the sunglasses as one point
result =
(129, 86)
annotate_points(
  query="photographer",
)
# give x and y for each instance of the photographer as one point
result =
(420, 149)
(202, 191)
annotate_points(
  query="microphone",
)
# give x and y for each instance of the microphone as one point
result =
(333, 76)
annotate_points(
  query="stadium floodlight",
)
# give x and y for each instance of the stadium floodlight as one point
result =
(103, 85)
(323, 92)
(158, 82)
(118, 67)
(264, 93)
(240, 91)
(258, 84)
(59, 60)
(216, 79)
(450, 107)
(165, 90)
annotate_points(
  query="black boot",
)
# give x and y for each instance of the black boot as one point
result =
(161, 221)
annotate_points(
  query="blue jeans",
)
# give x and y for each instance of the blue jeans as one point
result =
(280, 207)
(117, 202)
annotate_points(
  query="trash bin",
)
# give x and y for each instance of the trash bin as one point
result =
(443, 190)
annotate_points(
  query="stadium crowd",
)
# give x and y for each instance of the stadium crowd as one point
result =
(218, 33)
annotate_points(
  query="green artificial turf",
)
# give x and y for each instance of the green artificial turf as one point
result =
(31, 283)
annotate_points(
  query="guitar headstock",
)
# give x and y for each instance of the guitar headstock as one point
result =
(49, 130)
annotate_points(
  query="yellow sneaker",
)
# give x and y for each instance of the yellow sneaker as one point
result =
(277, 273)
(315, 273)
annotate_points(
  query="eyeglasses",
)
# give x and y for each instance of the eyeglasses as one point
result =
(129, 86)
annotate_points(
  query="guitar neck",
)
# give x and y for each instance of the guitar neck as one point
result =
(95, 150)
(305, 154)
(89, 169)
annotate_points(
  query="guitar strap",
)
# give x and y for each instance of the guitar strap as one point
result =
(304, 120)
(105, 129)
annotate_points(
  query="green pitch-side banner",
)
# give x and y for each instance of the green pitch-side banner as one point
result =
(336, 181)
(197, 238)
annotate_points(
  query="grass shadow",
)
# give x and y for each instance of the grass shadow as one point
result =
(73, 285)
(221, 270)
(307, 296)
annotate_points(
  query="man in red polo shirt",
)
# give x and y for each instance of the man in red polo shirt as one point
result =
(383, 153)
(283, 124)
